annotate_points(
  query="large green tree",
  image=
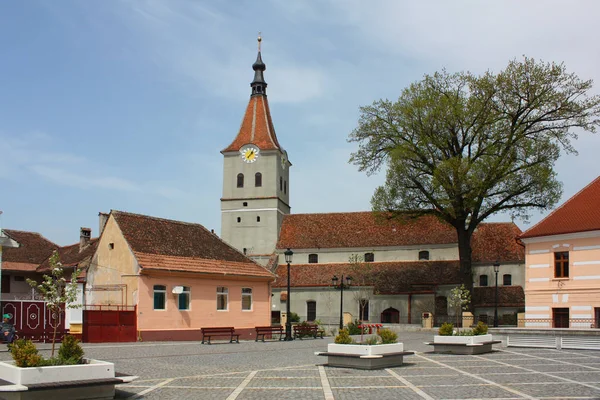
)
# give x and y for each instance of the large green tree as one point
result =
(463, 146)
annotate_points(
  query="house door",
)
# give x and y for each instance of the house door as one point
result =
(390, 316)
(560, 317)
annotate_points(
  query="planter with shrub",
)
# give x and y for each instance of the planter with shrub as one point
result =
(466, 341)
(377, 351)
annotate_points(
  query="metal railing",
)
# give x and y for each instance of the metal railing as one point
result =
(580, 323)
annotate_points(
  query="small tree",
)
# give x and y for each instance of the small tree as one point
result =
(363, 282)
(56, 291)
(459, 300)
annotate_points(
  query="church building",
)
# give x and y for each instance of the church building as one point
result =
(402, 268)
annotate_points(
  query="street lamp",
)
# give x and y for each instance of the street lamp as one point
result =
(496, 269)
(288, 324)
(334, 282)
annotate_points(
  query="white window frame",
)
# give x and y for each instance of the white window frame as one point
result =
(223, 292)
(247, 295)
(164, 291)
(186, 291)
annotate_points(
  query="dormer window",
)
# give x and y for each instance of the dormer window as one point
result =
(369, 257)
(423, 255)
(313, 258)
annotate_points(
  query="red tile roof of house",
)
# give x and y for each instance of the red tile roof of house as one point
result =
(201, 265)
(32, 251)
(580, 213)
(257, 127)
(191, 245)
(490, 242)
(72, 257)
(388, 277)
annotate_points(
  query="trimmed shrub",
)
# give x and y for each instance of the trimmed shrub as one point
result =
(353, 328)
(343, 337)
(25, 353)
(293, 317)
(70, 351)
(388, 336)
(447, 329)
(480, 329)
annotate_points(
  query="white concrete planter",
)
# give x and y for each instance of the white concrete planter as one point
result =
(468, 340)
(95, 369)
(365, 350)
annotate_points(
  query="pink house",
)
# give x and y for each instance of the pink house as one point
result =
(177, 277)
(562, 258)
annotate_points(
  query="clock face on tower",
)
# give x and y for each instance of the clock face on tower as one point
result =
(249, 153)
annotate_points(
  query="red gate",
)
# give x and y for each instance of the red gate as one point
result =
(33, 320)
(103, 324)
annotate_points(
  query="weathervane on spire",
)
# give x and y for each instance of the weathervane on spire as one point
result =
(259, 40)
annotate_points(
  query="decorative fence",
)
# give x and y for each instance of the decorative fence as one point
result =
(554, 342)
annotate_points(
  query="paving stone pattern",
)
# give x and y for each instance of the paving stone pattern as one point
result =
(291, 370)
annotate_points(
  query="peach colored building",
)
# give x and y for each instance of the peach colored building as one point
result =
(562, 258)
(178, 276)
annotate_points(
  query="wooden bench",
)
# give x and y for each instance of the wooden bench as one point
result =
(268, 330)
(207, 333)
(313, 331)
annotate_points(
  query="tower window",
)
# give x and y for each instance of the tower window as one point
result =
(280, 183)
(313, 258)
(245, 204)
(285, 187)
(369, 257)
(240, 180)
(258, 218)
(245, 250)
(258, 179)
(239, 219)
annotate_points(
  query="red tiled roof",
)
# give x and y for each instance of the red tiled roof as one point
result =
(360, 229)
(32, 251)
(71, 257)
(257, 127)
(497, 241)
(17, 266)
(490, 242)
(201, 265)
(388, 277)
(578, 214)
(151, 235)
(508, 296)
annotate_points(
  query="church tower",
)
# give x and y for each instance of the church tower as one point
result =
(256, 183)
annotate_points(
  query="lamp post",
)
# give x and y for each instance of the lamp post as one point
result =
(334, 282)
(496, 269)
(288, 324)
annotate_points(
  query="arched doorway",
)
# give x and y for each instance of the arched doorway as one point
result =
(390, 316)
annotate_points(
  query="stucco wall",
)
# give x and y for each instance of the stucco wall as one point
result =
(112, 265)
(436, 252)
(517, 271)
(203, 304)
(580, 292)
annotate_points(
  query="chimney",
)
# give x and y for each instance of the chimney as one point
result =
(103, 217)
(85, 234)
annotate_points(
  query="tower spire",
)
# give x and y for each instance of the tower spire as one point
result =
(259, 86)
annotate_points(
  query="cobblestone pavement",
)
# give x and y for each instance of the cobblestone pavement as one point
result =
(291, 370)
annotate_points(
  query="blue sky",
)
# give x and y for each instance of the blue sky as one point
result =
(126, 104)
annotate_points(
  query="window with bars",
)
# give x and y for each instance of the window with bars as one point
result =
(313, 258)
(160, 297)
(424, 255)
(222, 298)
(369, 257)
(507, 279)
(561, 264)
